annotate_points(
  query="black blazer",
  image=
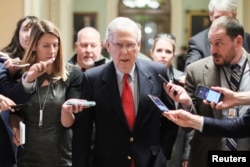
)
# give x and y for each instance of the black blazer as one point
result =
(6, 151)
(153, 136)
(239, 127)
(11, 89)
(199, 46)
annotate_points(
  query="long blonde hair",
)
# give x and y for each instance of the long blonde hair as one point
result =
(38, 30)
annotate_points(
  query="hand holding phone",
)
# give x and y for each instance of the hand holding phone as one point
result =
(165, 81)
(162, 78)
(208, 94)
(161, 106)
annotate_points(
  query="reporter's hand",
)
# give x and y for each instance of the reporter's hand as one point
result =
(179, 117)
(228, 100)
(16, 136)
(74, 105)
(178, 94)
(184, 118)
(9, 64)
(6, 103)
(184, 163)
(38, 69)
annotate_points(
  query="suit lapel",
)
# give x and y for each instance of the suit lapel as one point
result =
(111, 92)
(145, 79)
(211, 77)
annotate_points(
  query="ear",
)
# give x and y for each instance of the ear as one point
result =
(239, 41)
(107, 45)
(139, 45)
(75, 46)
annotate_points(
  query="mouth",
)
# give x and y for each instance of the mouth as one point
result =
(125, 60)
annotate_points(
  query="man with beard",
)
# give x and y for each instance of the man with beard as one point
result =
(226, 42)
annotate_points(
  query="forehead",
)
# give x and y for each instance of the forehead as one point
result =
(46, 38)
(216, 33)
(26, 23)
(124, 35)
(164, 43)
(88, 36)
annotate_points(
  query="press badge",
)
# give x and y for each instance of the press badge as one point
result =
(233, 112)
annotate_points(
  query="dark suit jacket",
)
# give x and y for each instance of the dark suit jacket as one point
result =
(6, 151)
(16, 92)
(11, 89)
(153, 136)
(239, 127)
(199, 47)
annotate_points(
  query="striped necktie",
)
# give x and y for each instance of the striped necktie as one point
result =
(231, 143)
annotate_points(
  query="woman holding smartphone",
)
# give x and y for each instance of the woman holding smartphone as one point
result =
(47, 123)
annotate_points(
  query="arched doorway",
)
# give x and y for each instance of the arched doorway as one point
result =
(153, 16)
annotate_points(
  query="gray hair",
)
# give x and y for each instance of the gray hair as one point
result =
(122, 23)
(223, 5)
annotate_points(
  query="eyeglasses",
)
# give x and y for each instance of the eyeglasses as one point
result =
(129, 46)
(165, 35)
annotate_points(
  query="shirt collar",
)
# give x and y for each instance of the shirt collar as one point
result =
(119, 75)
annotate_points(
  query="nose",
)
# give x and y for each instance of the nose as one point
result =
(124, 49)
(88, 48)
(52, 49)
(213, 49)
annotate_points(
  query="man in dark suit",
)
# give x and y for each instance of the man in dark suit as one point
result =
(198, 45)
(148, 142)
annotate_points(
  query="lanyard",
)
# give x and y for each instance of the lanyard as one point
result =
(243, 67)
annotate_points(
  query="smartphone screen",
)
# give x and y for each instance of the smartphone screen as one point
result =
(158, 103)
(210, 95)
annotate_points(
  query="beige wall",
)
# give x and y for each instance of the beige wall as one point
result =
(61, 13)
(11, 11)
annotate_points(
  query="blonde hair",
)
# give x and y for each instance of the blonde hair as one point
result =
(165, 36)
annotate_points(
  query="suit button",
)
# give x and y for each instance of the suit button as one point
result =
(129, 157)
(131, 139)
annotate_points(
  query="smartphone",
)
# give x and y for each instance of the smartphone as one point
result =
(177, 82)
(21, 65)
(208, 94)
(165, 81)
(19, 106)
(161, 106)
(162, 78)
(84, 103)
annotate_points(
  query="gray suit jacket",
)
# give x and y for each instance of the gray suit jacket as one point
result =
(203, 72)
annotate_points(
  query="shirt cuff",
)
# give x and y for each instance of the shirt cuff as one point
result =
(202, 124)
(28, 87)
